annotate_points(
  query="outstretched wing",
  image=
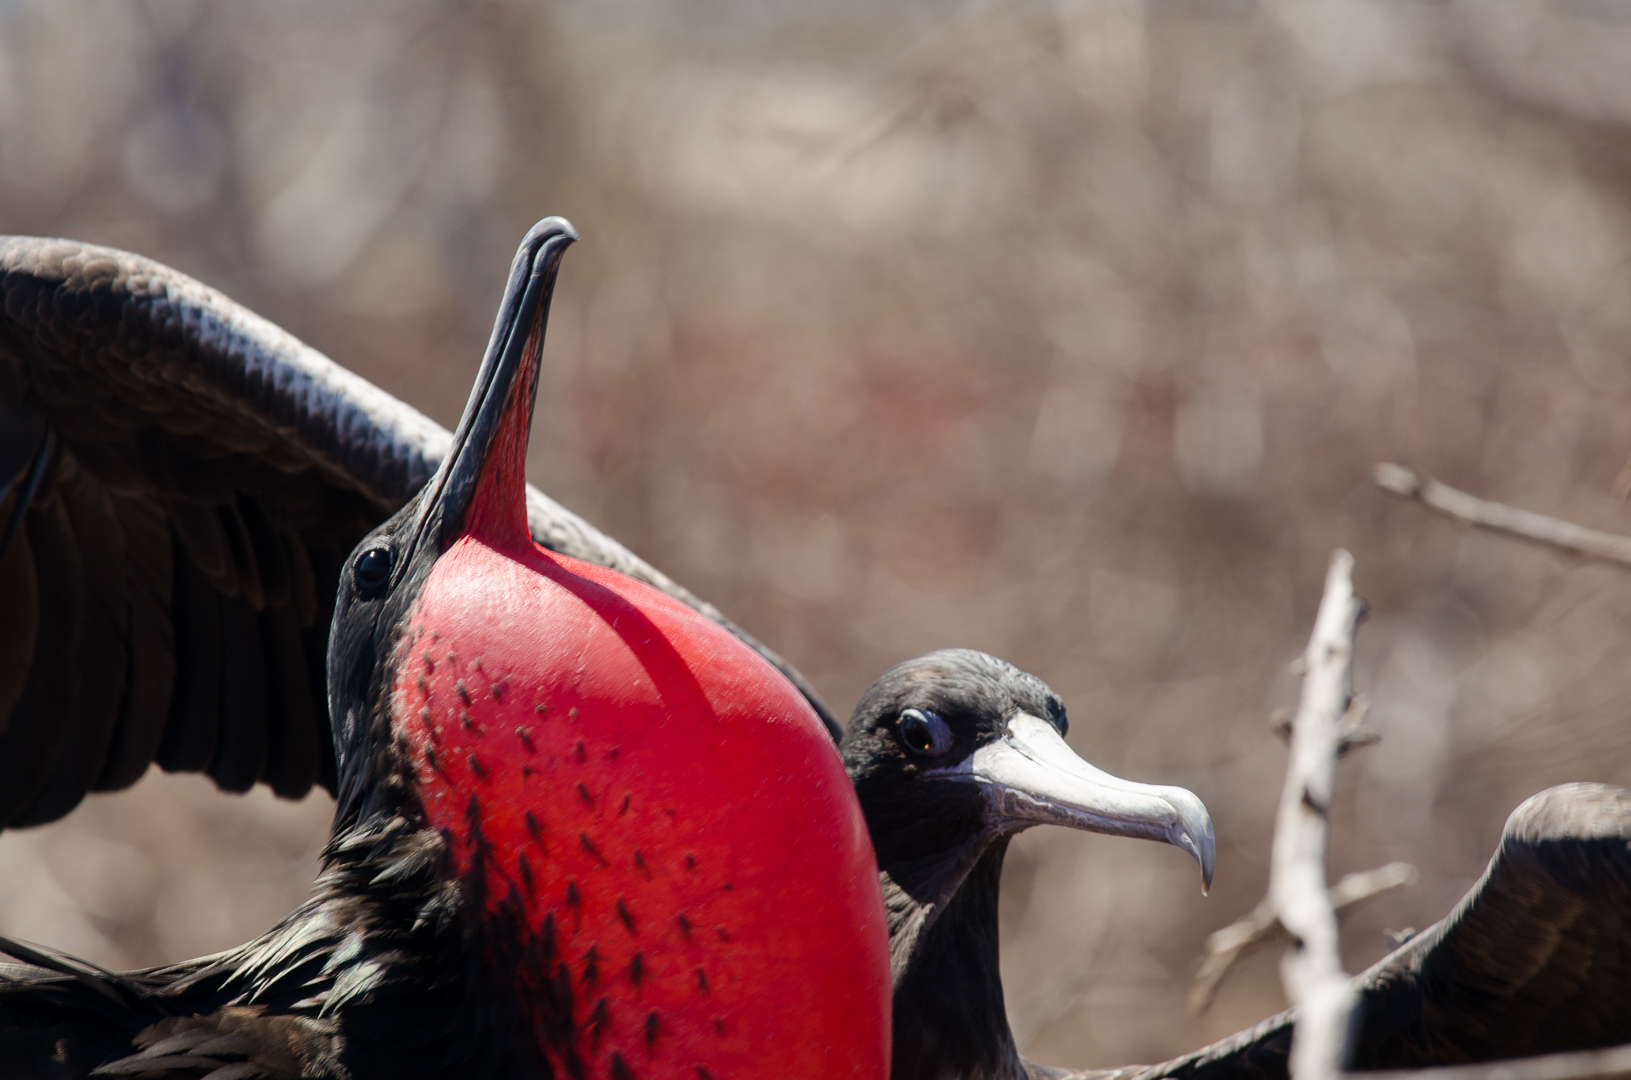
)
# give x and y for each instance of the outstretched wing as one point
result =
(1535, 959)
(180, 481)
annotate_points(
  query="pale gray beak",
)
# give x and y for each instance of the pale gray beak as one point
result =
(1032, 777)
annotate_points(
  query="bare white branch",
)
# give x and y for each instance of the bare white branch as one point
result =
(1498, 517)
(1226, 947)
(1312, 970)
(1351, 735)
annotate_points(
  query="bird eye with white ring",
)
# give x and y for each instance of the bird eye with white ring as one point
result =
(924, 733)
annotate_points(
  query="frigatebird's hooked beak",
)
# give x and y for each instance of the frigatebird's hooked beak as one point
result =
(481, 485)
(1031, 776)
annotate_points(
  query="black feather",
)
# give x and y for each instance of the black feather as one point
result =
(198, 527)
(26, 485)
(19, 624)
(102, 645)
(240, 751)
(1535, 959)
(302, 588)
(60, 1019)
(117, 465)
(193, 725)
(292, 729)
(39, 720)
(174, 472)
(150, 676)
(242, 553)
(271, 562)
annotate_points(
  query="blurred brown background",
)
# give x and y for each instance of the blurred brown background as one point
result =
(1066, 330)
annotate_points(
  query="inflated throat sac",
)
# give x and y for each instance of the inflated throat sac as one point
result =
(657, 811)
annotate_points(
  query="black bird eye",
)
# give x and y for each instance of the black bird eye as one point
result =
(373, 569)
(924, 732)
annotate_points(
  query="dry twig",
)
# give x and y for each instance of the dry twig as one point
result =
(1498, 517)
(1312, 970)
(1226, 947)
(1351, 733)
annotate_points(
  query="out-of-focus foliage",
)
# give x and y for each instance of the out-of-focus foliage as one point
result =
(1062, 330)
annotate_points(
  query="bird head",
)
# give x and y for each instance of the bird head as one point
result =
(957, 749)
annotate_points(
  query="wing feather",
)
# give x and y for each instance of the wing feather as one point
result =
(102, 653)
(1535, 959)
(116, 465)
(194, 722)
(291, 747)
(198, 527)
(302, 584)
(242, 466)
(39, 720)
(19, 625)
(266, 548)
(240, 751)
(241, 553)
(151, 675)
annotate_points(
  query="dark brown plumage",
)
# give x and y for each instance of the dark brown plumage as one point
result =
(202, 475)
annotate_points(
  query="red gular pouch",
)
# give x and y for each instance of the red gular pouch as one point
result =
(659, 808)
(643, 800)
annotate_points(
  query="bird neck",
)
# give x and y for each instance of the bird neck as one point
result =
(949, 1017)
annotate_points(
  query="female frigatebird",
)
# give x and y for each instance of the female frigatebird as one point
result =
(954, 752)
(582, 831)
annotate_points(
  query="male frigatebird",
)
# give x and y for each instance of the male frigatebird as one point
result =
(954, 752)
(582, 831)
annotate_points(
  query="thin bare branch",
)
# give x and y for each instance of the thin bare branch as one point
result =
(1351, 733)
(1611, 1064)
(1500, 518)
(1312, 970)
(1226, 947)
(1364, 884)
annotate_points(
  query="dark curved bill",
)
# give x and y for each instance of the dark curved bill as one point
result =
(1031, 776)
(506, 389)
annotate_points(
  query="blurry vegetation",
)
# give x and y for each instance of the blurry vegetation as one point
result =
(1062, 330)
